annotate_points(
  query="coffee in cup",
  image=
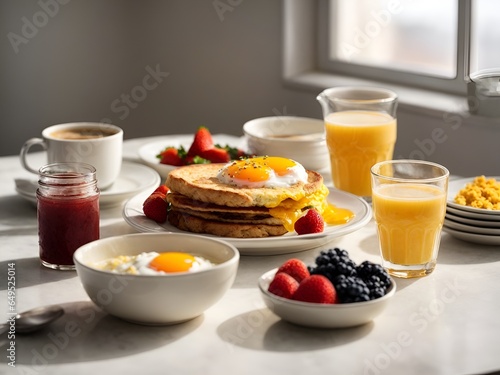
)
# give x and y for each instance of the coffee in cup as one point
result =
(97, 144)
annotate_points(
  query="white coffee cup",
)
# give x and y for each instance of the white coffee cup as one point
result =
(97, 144)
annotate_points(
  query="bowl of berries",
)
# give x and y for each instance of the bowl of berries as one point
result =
(333, 293)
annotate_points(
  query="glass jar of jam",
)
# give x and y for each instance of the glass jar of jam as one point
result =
(67, 210)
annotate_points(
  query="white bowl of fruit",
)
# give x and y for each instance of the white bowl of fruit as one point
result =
(334, 293)
(164, 155)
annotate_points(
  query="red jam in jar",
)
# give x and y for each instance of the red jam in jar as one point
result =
(68, 212)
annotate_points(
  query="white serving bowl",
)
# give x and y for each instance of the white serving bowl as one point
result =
(318, 315)
(299, 138)
(157, 299)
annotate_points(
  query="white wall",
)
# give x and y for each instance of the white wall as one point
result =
(222, 71)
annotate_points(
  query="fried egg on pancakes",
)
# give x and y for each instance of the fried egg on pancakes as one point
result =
(255, 197)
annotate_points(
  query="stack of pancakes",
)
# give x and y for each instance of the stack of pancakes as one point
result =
(200, 203)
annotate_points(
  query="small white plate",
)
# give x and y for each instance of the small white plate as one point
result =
(148, 152)
(288, 243)
(455, 186)
(482, 239)
(132, 179)
(471, 228)
(318, 315)
(473, 222)
(472, 215)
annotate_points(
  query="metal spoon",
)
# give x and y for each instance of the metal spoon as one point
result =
(34, 319)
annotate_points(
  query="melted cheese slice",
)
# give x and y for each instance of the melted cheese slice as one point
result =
(290, 210)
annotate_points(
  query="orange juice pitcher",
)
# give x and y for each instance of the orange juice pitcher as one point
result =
(360, 124)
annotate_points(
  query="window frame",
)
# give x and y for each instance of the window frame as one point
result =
(456, 85)
(301, 70)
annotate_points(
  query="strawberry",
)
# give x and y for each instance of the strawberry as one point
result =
(316, 289)
(283, 285)
(216, 155)
(311, 222)
(295, 268)
(171, 156)
(202, 141)
(234, 152)
(155, 207)
(162, 189)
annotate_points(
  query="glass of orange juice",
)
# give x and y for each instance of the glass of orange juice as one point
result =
(360, 124)
(409, 205)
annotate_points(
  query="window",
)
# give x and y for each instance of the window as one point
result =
(396, 35)
(418, 43)
(467, 33)
(426, 43)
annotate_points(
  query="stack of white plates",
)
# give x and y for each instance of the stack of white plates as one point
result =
(471, 224)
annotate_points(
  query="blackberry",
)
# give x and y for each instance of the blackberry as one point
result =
(332, 263)
(353, 283)
(351, 289)
(368, 270)
(375, 277)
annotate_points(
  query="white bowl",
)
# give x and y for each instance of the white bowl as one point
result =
(323, 315)
(299, 138)
(157, 299)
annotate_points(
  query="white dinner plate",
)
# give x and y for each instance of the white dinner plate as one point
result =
(473, 222)
(471, 228)
(288, 243)
(148, 152)
(455, 186)
(132, 179)
(482, 239)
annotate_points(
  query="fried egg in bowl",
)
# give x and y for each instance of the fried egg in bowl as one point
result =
(167, 298)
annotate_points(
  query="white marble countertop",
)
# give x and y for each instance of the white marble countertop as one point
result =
(446, 323)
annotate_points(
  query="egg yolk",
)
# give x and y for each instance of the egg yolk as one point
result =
(259, 169)
(289, 211)
(172, 262)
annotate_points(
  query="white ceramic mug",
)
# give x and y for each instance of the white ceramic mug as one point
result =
(97, 144)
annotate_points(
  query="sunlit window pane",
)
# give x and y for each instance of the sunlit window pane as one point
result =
(406, 35)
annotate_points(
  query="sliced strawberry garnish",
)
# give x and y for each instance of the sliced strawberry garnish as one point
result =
(295, 268)
(155, 207)
(316, 289)
(171, 156)
(283, 285)
(162, 189)
(311, 222)
(202, 141)
(216, 155)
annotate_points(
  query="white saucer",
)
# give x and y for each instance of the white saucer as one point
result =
(132, 179)
(455, 186)
(288, 243)
(483, 239)
(148, 152)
